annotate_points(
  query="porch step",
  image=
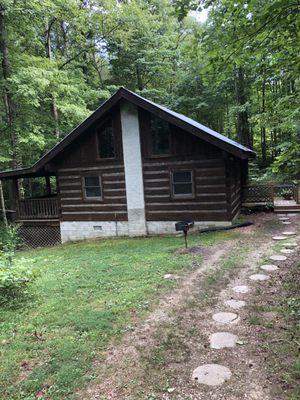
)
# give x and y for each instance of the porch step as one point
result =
(294, 209)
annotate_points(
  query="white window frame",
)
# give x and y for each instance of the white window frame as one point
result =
(183, 195)
(84, 187)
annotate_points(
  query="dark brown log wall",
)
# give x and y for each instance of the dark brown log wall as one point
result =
(81, 160)
(216, 178)
(234, 182)
(209, 202)
(189, 153)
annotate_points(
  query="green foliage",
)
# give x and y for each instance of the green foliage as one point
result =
(9, 238)
(67, 57)
(15, 272)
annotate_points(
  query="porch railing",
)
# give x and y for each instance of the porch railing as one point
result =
(267, 193)
(42, 208)
(258, 194)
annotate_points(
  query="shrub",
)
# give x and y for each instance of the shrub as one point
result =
(15, 272)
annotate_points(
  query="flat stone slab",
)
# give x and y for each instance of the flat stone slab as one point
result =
(283, 218)
(225, 317)
(289, 233)
(259, 277)
(211, 374)
(278, 237)
(286, 222)
(281, 215)
(171, 276)
(269, 267)
(286, 251)
(291, 215)
(221, 340)
(241, 289)
(277, 257)
(291, 244)
(235, 304)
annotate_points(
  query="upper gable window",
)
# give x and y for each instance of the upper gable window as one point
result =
(106, 140)
(161, 136)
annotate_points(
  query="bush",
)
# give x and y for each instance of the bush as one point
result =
(15, 273)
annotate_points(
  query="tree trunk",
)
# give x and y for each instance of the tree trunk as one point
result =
(3, 209)
(9, 105)
(243, 130)
(263, 128)
(139, 78)
(54, 111)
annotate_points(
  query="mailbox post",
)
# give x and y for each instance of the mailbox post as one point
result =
(184, 226)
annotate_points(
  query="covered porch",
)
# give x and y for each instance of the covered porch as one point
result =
(30, 196)
(31, 199)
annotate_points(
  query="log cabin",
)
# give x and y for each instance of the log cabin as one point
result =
(133, 167)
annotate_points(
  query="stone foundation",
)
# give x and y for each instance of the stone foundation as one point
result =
(82, 230)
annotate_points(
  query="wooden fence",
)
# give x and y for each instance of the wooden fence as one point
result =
(266, 193)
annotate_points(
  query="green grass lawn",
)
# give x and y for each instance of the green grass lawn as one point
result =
(86, 296)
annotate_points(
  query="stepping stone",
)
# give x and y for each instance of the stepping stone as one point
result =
(225, 317)
(283, 219)
(289, 233)
(211, 374)
(281, 215)
(277, 257)
(286, 222)
(290, 244)
(291, 215)
(221, 340)
(235, 304)
(278, 237)
(259, 277)
(286, 251)
(241, 289)
(171, 276)
(269, 267)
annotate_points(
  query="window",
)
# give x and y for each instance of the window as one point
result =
(106, 141)
(182, 183)
(92, 187)
(160, 135)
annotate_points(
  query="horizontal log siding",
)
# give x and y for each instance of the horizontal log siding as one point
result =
(209, 202)
(234, 187)
(75, 208)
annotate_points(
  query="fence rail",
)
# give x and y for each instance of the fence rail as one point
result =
(258, 194)
(38, 208)
(267, 193)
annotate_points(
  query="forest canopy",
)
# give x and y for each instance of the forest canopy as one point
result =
(237, 72)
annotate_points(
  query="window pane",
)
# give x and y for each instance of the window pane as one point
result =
(91, 181)
(183, 188)
(182, 176)
(160, 131)
(93, 191)
(106, 141)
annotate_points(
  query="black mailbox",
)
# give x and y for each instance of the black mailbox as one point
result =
(184, 227)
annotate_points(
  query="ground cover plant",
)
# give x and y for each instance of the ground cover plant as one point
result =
(85, 296)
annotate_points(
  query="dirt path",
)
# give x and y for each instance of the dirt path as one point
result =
(157, 360)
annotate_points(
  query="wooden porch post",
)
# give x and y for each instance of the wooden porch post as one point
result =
(48, 185)
(14, 188)
(3, 204)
